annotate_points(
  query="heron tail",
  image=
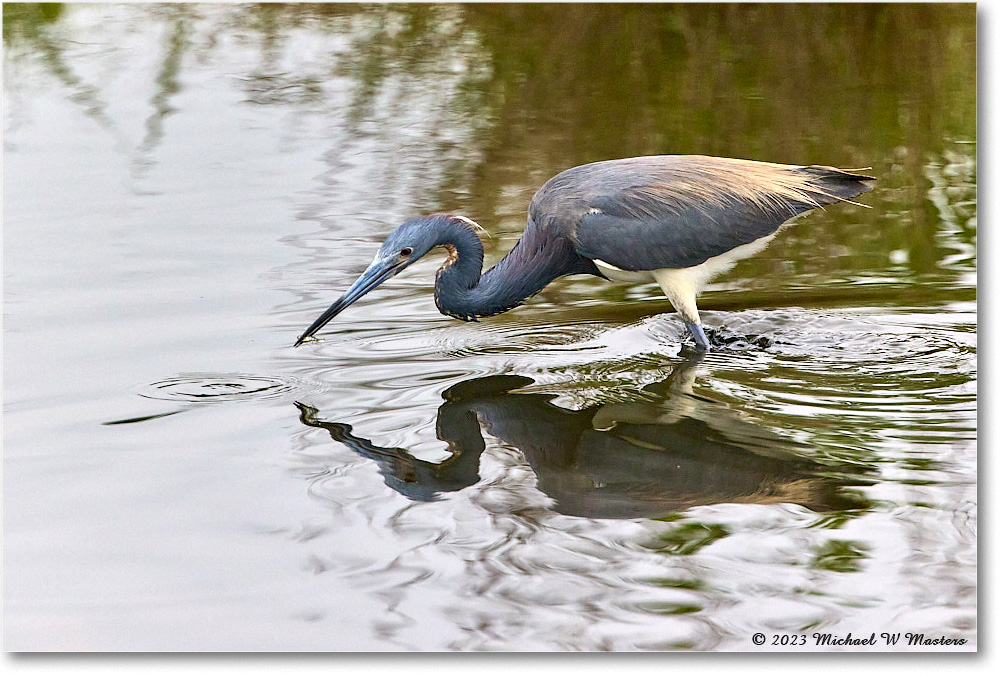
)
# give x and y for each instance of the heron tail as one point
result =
(829, 185)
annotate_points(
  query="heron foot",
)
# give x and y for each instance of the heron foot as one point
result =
(720, 338)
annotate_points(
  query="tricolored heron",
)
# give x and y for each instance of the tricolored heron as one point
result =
(677, 220)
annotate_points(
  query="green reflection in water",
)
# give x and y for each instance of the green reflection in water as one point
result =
(670, 608)
(545, 87)
(839, 555)
(681, 584)
(688, 538)
(26, 19)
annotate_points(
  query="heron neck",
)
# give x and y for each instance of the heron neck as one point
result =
(465, 292)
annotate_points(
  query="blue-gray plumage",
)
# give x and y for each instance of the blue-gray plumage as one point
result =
(677, 220)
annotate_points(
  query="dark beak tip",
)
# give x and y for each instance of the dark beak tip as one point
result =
(373, 277)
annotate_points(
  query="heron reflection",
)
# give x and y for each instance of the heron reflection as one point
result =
(668, 451)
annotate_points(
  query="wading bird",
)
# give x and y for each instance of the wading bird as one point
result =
(677, 220)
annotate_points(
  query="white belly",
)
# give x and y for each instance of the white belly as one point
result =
(681, 285)
(615, 274)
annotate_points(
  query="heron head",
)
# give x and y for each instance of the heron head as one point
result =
(407, 244)
(410, 241)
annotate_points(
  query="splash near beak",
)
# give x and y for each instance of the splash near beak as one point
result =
(378, 272)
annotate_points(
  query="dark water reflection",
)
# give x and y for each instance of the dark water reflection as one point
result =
(668, 451)
(187, 185)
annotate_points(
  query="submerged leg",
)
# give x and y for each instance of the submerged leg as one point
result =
(698, 333)
(681, 288)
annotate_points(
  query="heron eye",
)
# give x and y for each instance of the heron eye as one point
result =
(406, 251)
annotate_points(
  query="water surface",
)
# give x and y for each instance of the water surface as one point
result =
(186, 187)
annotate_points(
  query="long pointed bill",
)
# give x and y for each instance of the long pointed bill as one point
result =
(377, 272)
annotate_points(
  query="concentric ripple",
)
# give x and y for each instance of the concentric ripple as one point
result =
(201, 388)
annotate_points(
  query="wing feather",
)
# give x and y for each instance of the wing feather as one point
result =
(676, 211)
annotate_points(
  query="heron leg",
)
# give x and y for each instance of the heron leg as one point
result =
(698, 333)
(681, 288)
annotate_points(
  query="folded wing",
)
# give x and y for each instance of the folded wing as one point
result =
(677, 211)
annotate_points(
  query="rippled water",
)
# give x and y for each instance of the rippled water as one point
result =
(187, 187)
